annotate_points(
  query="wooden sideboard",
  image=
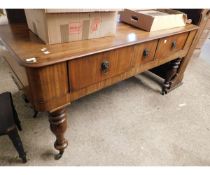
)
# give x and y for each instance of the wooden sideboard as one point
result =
(72, 70)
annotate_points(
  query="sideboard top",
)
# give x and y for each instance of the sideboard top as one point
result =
(23, 44)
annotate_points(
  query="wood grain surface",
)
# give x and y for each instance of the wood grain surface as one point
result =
(19, 39)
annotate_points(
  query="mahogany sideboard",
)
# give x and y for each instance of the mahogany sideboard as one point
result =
(69, 71)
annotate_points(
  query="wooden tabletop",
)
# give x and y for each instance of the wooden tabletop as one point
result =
(24, 44)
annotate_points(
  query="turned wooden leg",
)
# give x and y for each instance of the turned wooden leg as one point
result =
(171, 75)
(58, 125)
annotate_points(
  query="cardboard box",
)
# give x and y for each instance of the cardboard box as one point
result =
(153, 20)
(65, 25)
(78, 10)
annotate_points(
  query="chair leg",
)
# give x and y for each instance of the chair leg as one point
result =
(17, 121)
(15, 115)
(15, 138)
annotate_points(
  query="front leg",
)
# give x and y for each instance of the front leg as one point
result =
(58, 125)
(170, 76)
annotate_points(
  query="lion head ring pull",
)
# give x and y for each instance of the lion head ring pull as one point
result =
(105, 66)
(145, 53)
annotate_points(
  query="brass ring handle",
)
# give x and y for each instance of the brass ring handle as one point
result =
(105, 66)
(173, 45)
(145, 52)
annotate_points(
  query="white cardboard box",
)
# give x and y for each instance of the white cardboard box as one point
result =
(65, 25)
(153, 20)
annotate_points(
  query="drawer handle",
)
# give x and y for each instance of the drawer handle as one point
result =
(134, 18)
(105, 66)
(173, 45)
(145, 52)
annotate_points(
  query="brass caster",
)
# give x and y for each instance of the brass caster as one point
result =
(164, 92)
(59, 155)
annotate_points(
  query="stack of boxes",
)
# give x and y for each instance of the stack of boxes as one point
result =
(64, 25)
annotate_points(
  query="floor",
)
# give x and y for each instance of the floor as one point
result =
(129, 123)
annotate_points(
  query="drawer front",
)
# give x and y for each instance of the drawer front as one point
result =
(170, 45)
(145, 52)
(95, 68)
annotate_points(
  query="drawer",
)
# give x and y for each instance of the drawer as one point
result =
(98, 67)
(170, 45)
(145, 52)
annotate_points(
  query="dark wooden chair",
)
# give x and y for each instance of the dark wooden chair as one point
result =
(9, 123)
